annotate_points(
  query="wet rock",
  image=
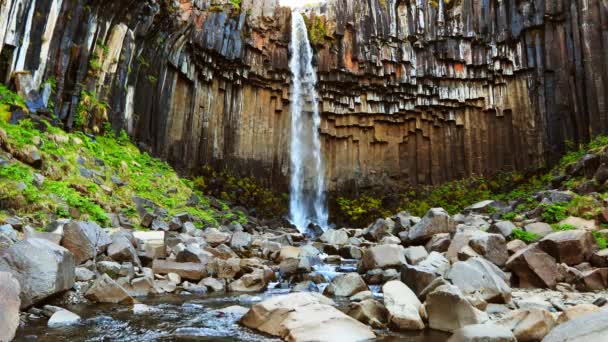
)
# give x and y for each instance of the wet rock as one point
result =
(335, 237)
(528, 324)
(534, 268)
(487, 332)
(9, 306)
(571, 247)
(106, 290)
(116, 270)
(436, 221)
(187, 270)
(346, 285)
(85, 240)
(41, 267)
(448, 309)
(192, 253)
(587, 328)
(477, 275)
(403, 306)
(214, 285)
(8, 231)
(370, 312)
(305, 316)
(539, 228)
(418, 277)
(251, 282)
(382, 256)
(351, 252)
(63, 318)
(194, 288)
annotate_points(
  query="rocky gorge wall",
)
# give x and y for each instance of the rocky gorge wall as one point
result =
(411, 91)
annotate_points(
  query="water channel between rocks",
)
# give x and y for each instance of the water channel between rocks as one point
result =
(189, 318)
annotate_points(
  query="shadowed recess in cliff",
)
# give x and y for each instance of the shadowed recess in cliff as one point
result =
(307, 202)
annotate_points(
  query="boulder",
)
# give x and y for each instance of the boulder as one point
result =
(85, 240)
(41, 267)
(478, 276)
(380, 229)
(186, 270)
(215, 237)
(9, 306)
(539, 228)
(346, 285)
(251, 282)
(215, 285)
(514, 246)
(370, 312)
(587, 328)
(534, 268)
(448, 309)
(63, 318)
(335, 237)
(106, 290)
(570, 247)
(491, 246)
(593, 280)
(579, 223)
(289, 252)
(439, 243)
(528, 324)
(192, 253)
(576, 311)
(504, 228)
(305, 316)
(418, 277)
(599, 258)
(150, 245)
(482, 207)
(382, 256)
(121, 249)
(241, 241)
(487, 332)
(415, 254)
(436, 221)
(403, 306)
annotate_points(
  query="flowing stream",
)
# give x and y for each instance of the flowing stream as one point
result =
(307, 199)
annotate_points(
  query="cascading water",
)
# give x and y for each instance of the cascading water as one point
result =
(307, 197)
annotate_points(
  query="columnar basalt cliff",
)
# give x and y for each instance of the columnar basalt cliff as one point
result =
(411, 91)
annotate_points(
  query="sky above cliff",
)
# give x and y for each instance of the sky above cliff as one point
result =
(298, 3)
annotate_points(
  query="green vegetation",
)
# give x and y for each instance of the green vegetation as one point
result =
(317, 30)
(67, 191)
(562, 227)
(553, 213)
(519, 234)
(601, 240)
(8, 99)
(236, 4)
(91, 113)
(359, 211)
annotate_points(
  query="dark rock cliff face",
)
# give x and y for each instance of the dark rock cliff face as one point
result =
(412, 91)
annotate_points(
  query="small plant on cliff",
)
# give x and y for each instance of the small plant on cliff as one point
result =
(236, 4)
(91, 113)
(317, 31)
(9, 99)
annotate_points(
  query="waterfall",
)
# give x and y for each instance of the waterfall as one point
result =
(307, 197)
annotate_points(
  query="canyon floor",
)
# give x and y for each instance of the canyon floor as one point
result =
(99, 241)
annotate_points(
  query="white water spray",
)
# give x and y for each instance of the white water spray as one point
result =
(307, 197)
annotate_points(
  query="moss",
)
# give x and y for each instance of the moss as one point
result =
(317, 31)
(601, 240)
(553, 213)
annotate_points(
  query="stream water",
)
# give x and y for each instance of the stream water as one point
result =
(307, 200)
(188, 318)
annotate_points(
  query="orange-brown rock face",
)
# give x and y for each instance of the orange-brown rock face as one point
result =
(411, 91)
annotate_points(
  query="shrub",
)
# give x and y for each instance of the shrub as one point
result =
(553, 213)
(519, 234)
